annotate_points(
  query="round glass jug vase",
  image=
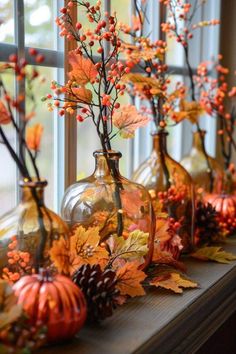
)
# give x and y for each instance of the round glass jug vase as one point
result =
(111, 202)
(170, 187)
(27, 231)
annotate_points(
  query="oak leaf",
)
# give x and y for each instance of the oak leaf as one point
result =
(128, 119)
(83, 69)
(216, 254)
(82, 94)
(129, 279)
(33, 136)
(5, 117)
(136, 245)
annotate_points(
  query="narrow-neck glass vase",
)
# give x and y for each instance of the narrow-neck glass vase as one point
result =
(170, 187)
(111, 202)
(196, 165)
(27, 232)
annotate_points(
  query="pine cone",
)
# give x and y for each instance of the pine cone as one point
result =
(99, 288)
(207, 229)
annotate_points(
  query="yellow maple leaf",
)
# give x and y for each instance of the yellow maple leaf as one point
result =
(129, 279)
(85, 248)
(133, 247)
(140, 82)
(216, 254)
(170, 279)
(188, 110)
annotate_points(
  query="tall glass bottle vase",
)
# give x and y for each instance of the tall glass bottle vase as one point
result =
(169, 186)
(196, 165)
(27, 232)
(111, 202)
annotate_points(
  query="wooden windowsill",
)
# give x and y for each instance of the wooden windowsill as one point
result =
(162, 322)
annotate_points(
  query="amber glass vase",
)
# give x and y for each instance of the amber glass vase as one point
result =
(196, 165)
(111, 202)
(169, 186)
(27, 232)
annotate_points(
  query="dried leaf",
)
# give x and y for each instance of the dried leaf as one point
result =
(131, 201)
(216, 254)
(129, 279)
(136, 245)
(140, 81)
(82, 94)
(60, 255)
(85, 248)
(83, 69)
(128, 119)
(170, 279)
(5, 117)
(188, 110)
(33, 136)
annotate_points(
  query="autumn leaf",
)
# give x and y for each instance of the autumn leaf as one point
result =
(9, 310)
(33, 136)
(82, 94)
(174, 282)
(83, 69)
(82, 248)
(169, 278)
(136, 245)
(216, 254)
(129, 279)
(60, 255)
(5, 117)
(140, 82)
(137, 53)
(131, 201)
(85, 248)
(127, 120)
(188, 110)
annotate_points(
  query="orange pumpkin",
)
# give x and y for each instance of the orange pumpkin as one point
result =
(225, 205)
(54, 301)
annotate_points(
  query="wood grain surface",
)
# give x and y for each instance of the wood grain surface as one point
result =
(162, 322)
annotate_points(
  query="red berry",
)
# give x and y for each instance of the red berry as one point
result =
(117, 105)
(39, 58)
(78, 25)
(79, 118)
(63, 10)
(33, 51)
(13, 58)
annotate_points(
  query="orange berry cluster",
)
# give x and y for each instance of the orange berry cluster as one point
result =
(18, 262)
(173, 195)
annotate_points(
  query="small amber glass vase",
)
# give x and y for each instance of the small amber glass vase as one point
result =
(29, 228)
(111, 202)
(196, 165)
(164, 177)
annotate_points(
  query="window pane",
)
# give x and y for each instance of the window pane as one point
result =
(39, 23)
(7, 166)
(43, 116)
(7, 21)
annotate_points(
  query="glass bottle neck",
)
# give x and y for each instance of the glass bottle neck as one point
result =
(106, 164)
(33, 192)
(199, 140)
(160, 143)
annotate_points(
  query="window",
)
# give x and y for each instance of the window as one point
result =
(67, 147)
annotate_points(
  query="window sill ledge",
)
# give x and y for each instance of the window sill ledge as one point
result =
(162, 322)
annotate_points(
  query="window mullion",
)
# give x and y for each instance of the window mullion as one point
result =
(19, 85)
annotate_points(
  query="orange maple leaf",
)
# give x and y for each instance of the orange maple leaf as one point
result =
(82, 94)
(33, 136)
(128, 119)
(83, 69)
(5, 117)
(129, 279)
(60, 255)
(85, 248)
